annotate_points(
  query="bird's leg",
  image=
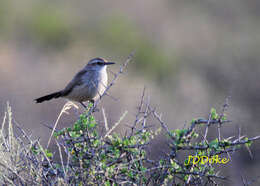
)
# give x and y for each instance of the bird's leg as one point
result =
(83, 105)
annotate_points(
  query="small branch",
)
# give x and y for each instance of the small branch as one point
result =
(138, 113)
(205, 147)
(105, 119)
(156, 115)
(117, 123)
(210, 122)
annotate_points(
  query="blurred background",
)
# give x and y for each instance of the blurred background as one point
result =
(190, 55)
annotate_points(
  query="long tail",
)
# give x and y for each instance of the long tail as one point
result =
(48, 97)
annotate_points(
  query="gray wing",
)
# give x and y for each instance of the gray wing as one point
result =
(76, 81)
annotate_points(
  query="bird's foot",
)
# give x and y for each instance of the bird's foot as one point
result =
(85, 107)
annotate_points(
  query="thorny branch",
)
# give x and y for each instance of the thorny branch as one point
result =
(224, 146)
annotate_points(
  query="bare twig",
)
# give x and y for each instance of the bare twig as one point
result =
(206, 130)
(159, 118)
(137, 119)
(105, 119)
(116, 124)
(61, 159)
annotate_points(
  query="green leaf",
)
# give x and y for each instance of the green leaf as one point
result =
(214, 144)
(92, 125)
(124, 170)
(107, 183)
(125, 142)
(34, 150)
(96, 142)
(248, 143)
(213, 114)
(224, 117)
(74, 134)
(193, 120)
(194, 134)
(48, 153)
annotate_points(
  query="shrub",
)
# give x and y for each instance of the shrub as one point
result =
(93, 158)
(96, 158)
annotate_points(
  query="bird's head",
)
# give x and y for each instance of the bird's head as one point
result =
(98, 64)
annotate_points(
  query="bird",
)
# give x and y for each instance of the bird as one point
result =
(87, 85)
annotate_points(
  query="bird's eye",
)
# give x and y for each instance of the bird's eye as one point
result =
(99, 63)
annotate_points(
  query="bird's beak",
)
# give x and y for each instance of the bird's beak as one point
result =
(109, 63)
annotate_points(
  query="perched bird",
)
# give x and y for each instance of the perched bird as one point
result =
(87, 85)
